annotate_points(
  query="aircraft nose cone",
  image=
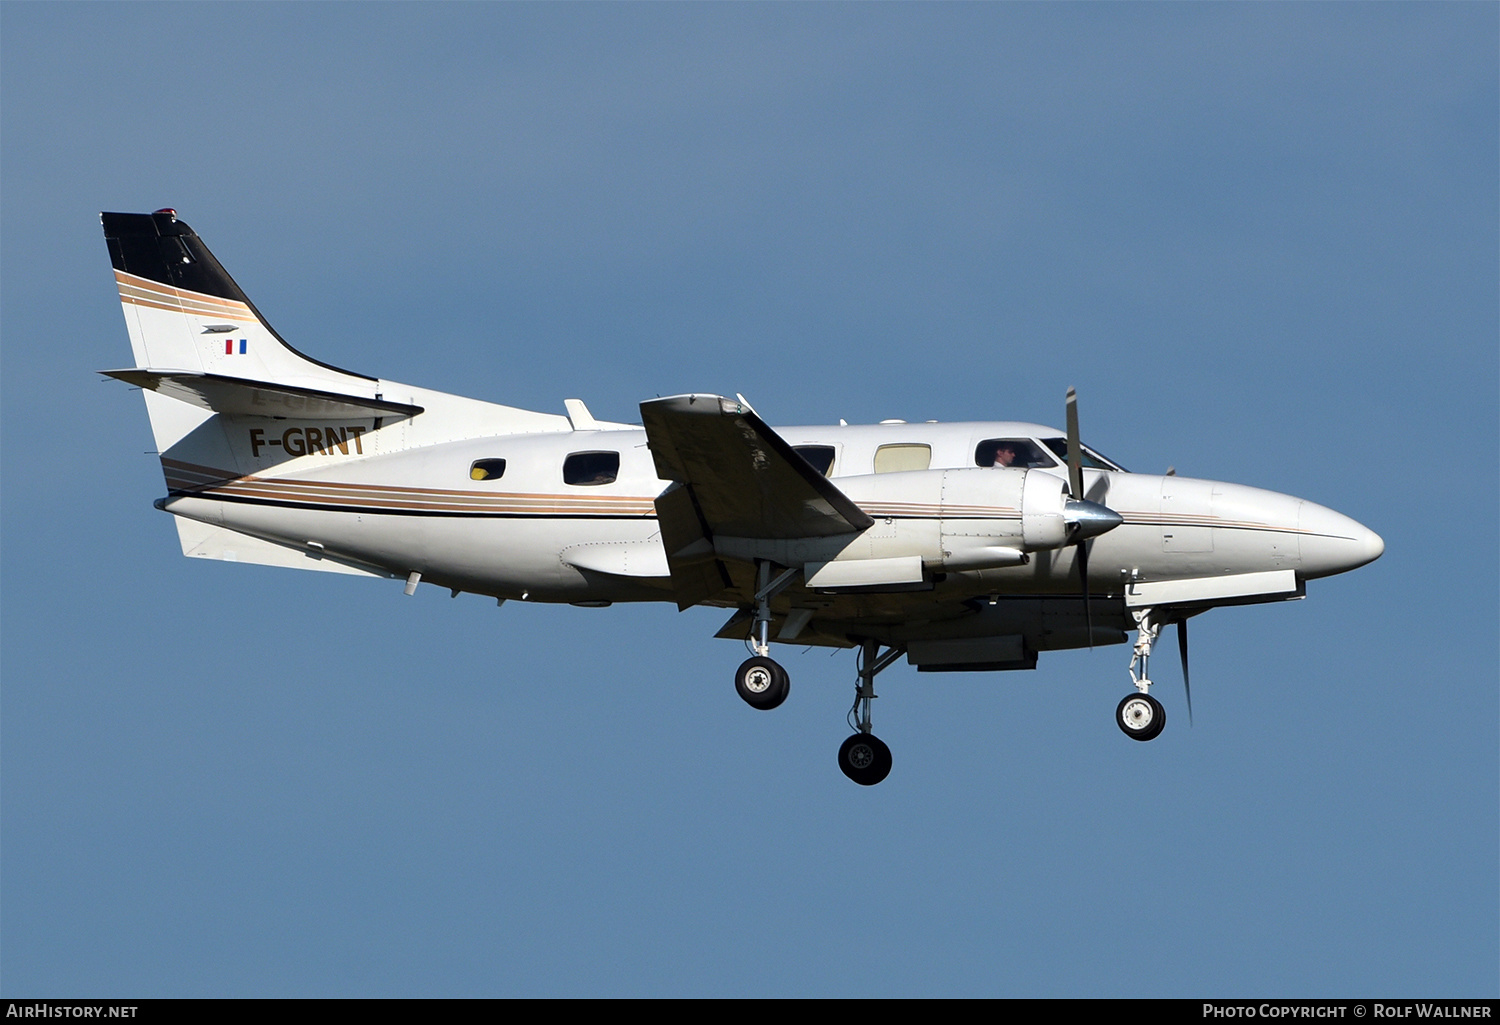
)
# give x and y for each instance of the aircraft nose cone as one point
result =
(1371, 546)
(1334, 543)
(1089, 519)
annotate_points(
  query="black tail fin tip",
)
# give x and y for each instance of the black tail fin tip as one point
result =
(161, 248)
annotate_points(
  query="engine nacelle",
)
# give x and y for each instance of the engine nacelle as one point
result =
(998, 507)
(955, 520)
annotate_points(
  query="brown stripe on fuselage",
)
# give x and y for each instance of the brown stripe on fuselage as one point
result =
(412, 498)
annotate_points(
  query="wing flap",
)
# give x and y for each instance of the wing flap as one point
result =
(696, 574)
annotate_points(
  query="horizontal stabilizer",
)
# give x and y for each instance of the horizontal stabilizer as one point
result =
(237, 396)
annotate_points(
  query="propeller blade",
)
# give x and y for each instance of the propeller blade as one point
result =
(1075, 453)
(1088, 609)
(1187, 688)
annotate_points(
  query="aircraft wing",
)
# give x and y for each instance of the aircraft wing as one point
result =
(733, 476)
(745, 480)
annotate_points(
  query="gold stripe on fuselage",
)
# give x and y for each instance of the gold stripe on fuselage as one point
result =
(210, 482)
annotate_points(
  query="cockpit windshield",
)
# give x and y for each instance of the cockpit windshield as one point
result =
(1090, 459)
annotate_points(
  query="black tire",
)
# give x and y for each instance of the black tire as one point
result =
(1140, 717)
(865, 759)
(762, 683)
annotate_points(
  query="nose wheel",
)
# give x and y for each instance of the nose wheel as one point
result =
(1141, 717)
(762, 682)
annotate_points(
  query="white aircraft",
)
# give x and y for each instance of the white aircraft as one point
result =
(963, 546)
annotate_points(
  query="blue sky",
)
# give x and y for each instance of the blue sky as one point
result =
(1261, 240)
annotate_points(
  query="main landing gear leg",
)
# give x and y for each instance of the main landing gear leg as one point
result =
(1139, 715)
(760, 680)
(864, 757)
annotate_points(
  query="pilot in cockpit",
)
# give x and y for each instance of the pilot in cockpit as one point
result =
(1005, 453)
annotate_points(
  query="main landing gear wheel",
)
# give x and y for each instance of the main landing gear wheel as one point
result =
(1141, 717)
(865, 759)
(762, 682)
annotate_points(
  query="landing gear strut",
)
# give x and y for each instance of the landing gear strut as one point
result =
(1139, 715)
(761, 680)
(864, 757)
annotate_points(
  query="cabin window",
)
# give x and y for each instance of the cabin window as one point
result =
(1088, 457)
(895, 458)
(1021, 453)
(821, 456)
(591, 468)
(487, 469)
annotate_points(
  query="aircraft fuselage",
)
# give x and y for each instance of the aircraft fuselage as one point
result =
(528, 533)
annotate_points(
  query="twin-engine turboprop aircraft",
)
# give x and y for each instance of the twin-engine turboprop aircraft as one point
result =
(963, 546)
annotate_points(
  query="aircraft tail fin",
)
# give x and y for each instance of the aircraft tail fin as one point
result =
(199, 340)
(207, 359)
(186, 314)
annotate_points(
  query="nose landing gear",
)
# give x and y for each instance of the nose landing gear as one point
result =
(1140, 716)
